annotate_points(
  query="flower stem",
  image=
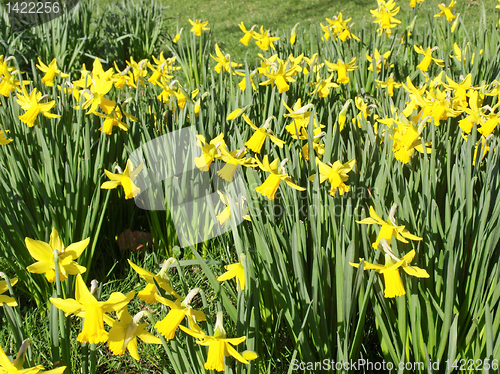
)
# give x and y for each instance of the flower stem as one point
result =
(63, 330)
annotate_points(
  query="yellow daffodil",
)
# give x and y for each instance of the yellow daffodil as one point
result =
(114, 118)
(85, 78)
(461, 55)
(385, 16)
(86, 306)
(233, 160)
(336, 175)
(293, 34)
(317, 147)
(475, 114)
(483, 148)
(393, 285)
(4, 299)
(178, 310)
(266, 64)
(198, 27)
(8, 367)
(460, 90)
(31, 104)
(389, 227)
(122, 78)
(226, 213)
(180, 94)
(271, 184)
(126, 180)
(413, 3)
(210, 151)
(446, 10)
(390, 84)
(162, 279)
(177, 36)
(248, 34)
(341, 68)
(364, 110)
(489, 126)
(51, 71)
(281, 76)
(243, 83)
(44, 254)
(338, 28)
(301, 116)
(161, 71)
(124, 333)
(98, 71)
(219, 346)
(378, 59)
(342, 114)
(3, 65)
(95, 97)
(8, 81)
(264, 39)
(137, 71)
(234, 270)
(223, 61)
(424, 64)
(3, 138)
(294, 63)
(256, 141)
(435, 104)
(494, 89)
(322, 86)
(406, 139)
(166, 64)
(312, 64)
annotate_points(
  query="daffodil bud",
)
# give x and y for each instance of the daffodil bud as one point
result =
(219, 331)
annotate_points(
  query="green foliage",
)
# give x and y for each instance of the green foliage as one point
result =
(303, 300)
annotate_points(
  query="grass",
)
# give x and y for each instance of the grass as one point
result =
(278, 15)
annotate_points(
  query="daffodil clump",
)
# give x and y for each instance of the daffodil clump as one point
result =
(56, 261)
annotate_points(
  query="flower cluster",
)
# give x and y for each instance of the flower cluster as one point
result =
(56, 261)
(388, 230)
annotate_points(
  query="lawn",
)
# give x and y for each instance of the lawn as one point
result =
(280, 16)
